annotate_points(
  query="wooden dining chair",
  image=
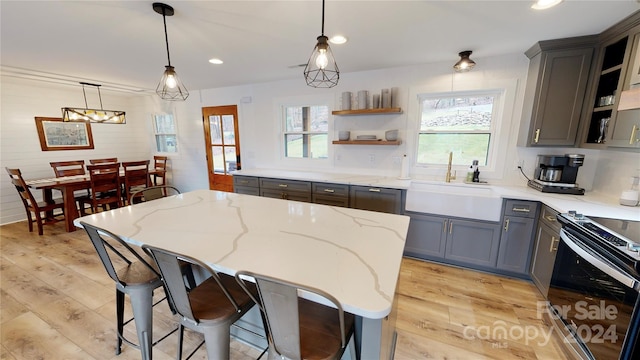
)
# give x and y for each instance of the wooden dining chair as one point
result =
(136, 177)
(153, 193)
(43, 212)
(159, 169)
(73, 168)
(103, 161)
(298, 328)
(208, 308)
(105, 186)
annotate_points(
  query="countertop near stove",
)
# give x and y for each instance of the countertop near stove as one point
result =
(589, 204)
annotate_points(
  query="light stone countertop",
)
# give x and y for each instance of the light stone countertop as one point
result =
(590, 204)
(354, 255)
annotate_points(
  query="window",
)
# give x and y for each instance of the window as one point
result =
(463, 123)
(306, 131)
(165, 131)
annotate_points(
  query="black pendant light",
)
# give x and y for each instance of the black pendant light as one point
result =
(321, 70)
(170, 87)
(465, 63)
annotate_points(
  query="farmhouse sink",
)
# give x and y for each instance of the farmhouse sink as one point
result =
(478, 202)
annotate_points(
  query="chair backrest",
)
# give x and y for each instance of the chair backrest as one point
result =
(279, 304)
(104, 161)
(171, 272)
(68, 168)
(25, 194)
(112, 248)
(136, 176)
(160, 162)
(154, 193)
(105, 179)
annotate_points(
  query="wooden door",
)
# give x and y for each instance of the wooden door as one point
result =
(222, 142)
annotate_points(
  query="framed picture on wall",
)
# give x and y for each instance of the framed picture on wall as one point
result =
(55, 134)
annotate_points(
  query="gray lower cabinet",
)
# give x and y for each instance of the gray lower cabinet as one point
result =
(330, 194)
(473, 242)
(248, 185)
(426, 237)
(516, 238)
(376, 199)
(286, 189)
(546, 246)
(463, 242)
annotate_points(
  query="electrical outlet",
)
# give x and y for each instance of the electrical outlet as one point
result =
(397, 160)
(372, 158)
(518, 164)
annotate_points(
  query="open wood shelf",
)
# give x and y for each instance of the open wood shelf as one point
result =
(367, 142)
(368, 111)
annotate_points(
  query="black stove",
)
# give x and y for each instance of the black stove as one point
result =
(618, 240)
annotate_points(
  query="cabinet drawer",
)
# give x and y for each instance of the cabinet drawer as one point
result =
(521, 208)
(286, 194)
(548, 217)
(290, 185)
(246, 181)
(332, 200)
(376, 199)
(330, 189)
(247, 190)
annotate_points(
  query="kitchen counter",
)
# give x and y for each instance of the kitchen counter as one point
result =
(590, 204)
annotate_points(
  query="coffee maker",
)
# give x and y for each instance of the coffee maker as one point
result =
(557, 174)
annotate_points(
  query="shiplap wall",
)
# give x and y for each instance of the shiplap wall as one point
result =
(23, 100)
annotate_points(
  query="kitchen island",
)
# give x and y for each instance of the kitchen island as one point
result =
(354, 255)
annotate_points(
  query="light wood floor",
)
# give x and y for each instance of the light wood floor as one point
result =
(56, 301)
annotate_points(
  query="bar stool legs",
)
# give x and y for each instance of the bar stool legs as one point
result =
(141, 298)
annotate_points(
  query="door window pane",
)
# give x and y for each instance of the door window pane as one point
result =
(215, 130)
(229, 130)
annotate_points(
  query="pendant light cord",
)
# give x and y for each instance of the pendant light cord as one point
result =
(166, 37)
(322, 17)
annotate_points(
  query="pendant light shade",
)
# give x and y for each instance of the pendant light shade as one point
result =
(321, 70)
(170, 86)
(465, 63)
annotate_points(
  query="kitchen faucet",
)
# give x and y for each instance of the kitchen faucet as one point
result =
(450, 177)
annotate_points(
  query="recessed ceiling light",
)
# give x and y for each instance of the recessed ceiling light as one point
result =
(545, 4)
(216, 61)
(338, 39)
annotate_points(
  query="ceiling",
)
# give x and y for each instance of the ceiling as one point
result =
(121, 44)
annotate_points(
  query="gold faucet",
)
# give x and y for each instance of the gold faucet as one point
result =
(450, 177)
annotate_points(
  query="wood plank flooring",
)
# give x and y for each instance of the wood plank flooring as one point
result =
(57, 302)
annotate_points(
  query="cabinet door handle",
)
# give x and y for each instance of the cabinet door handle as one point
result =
(374, 190)
(283, 185)
(244, 181)
(550, 218)
(524, 210)
(632, 139)
(329, 191)
(506, 225)
(535, 139)
(451, 227)
(554, 241)
(444, 226)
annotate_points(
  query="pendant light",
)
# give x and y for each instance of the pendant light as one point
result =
(93, 115)
(464, 64)
(170, 87)
(321, 70)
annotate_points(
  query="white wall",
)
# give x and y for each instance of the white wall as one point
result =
(260, 142)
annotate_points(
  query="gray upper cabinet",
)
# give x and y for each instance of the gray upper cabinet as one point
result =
(555, 90)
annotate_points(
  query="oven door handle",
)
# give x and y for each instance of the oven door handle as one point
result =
(600, 263)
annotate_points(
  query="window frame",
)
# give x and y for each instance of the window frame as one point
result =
(304, 101)
(505, 113)
(156, 133)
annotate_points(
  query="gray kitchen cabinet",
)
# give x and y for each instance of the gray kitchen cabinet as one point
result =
(546, 245)
(555, 90)
(516, 238)
(426, 237)
(286, 189)
(248, 185)
(330, 194)
(472, 242)
(376, 199)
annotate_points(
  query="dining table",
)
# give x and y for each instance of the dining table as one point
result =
(353, 254)
(68, 185)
